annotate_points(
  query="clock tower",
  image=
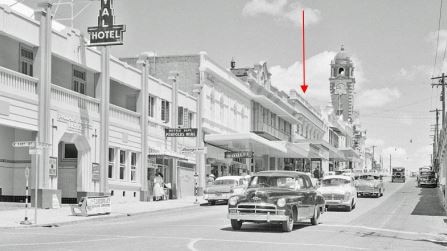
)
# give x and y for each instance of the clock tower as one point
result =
(342, 83)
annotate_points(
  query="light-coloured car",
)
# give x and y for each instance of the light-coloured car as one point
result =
(339, 191)
(225, 187)
(370, 184)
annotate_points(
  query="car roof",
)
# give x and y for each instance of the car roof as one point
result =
(230, 178)
(337, 177)
(374, 174)
(280, 173)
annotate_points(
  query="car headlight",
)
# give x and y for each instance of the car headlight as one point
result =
(347, 195)
(232, 201)
(281, 202)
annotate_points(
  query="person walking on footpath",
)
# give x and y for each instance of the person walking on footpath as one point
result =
(158, 187)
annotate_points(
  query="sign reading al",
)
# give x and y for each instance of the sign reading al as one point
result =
(106, 33)
(181, 132)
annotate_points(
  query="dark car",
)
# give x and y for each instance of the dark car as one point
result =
(398, 174)
(282, 197)
(427, 178)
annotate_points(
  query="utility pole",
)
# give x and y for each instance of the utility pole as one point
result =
(373, 164)
(442, 83)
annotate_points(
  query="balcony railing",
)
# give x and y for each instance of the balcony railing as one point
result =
(262, 127)
(127, 116)
(17, 83)
(72, 99)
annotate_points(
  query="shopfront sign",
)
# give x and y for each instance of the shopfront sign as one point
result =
(243, 154)
(106, 33)
(180, 132)
(194, 150)
(98, 205)
(52, 171)
(73, 124)
(96, 172)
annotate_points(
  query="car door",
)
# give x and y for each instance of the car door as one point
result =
(309, 198)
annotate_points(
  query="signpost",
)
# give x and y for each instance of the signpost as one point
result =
(106, 33)
(180, 132)
(243, 154)
(196, 187)
(35, 148)
(26, 221)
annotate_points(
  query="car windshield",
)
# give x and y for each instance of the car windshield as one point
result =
(369, 177)
(276, 181)
(224, 182)
(334, 182)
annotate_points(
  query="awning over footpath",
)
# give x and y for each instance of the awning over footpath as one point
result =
(167, 154)
(246, 142)
(350, 154)
(334, 153)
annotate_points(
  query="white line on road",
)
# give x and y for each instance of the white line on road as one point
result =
(191, 244)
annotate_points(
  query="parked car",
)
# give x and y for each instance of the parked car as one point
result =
(225, 187)
(370, 184)
(427, 178)
(282, 197)
(398, 173)
(339, 191)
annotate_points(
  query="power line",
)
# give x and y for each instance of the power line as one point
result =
(437, 40)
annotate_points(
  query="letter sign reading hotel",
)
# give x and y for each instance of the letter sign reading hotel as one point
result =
(181, 132)
(233, 155)
(106, 33)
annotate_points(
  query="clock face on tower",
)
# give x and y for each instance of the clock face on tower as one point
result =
(340, 88)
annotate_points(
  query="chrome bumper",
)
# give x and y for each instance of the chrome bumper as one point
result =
(337, 203)
(257, 217)
(222, 196)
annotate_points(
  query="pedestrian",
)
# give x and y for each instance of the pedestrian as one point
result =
(210, 179)
(158, 187)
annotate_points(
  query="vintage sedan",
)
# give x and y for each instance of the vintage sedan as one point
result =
(339, 191)
(283, 197)
(427, 178)
(370, 184)
(225, 187)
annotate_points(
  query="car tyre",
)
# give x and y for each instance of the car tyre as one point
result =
(316, 218)
(349, 208)
(287, 226)
(236, 224)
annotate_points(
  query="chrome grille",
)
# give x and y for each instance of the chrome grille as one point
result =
(256, 208)
(333, 196)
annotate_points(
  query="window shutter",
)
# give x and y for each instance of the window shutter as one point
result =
(185, 118)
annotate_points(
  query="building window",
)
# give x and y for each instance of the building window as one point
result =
(70, 152)
(165, 111)
(26, 60)
(273, 120)
(265, 115)
(133, 166)
(79, 81)
(111, 162)
(180, 115)
(151, 103)
(122, 164)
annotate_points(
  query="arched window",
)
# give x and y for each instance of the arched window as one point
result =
(341, 71)
(212, 101)
(236, 119)
(222, 109)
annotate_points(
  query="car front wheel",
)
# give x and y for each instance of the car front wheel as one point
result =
(287, 226)
(316, 218)
(236, 225)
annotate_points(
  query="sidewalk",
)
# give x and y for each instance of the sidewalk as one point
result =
(10, 218)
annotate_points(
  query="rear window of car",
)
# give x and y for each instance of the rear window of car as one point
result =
(427, 174)
(369, 177)
(335, 182)
(224, 182)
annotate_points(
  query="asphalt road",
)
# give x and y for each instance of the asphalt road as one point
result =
(405, 218)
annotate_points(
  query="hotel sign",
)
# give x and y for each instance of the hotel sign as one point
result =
(180, 132)
(233, 155)
(106, 33)
(96, 172)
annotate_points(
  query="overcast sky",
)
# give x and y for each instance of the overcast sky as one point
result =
(392, 44)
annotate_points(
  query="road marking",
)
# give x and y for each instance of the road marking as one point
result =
(382, 229)
(191, 244)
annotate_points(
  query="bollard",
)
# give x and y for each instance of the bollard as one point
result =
(196, 187)
(26, 221)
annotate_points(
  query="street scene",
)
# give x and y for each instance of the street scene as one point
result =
(223, 125)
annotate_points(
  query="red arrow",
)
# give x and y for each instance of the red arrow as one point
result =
(304, 85)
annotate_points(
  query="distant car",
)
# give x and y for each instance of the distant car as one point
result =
(427, 178)
(282, 197)
(329, 173)
(339, 191)
(225, 187)
(370, 184)
(398, 174)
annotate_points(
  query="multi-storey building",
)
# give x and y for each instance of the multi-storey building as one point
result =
(50, 92)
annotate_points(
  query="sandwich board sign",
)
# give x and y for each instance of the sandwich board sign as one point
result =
(106, 33)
